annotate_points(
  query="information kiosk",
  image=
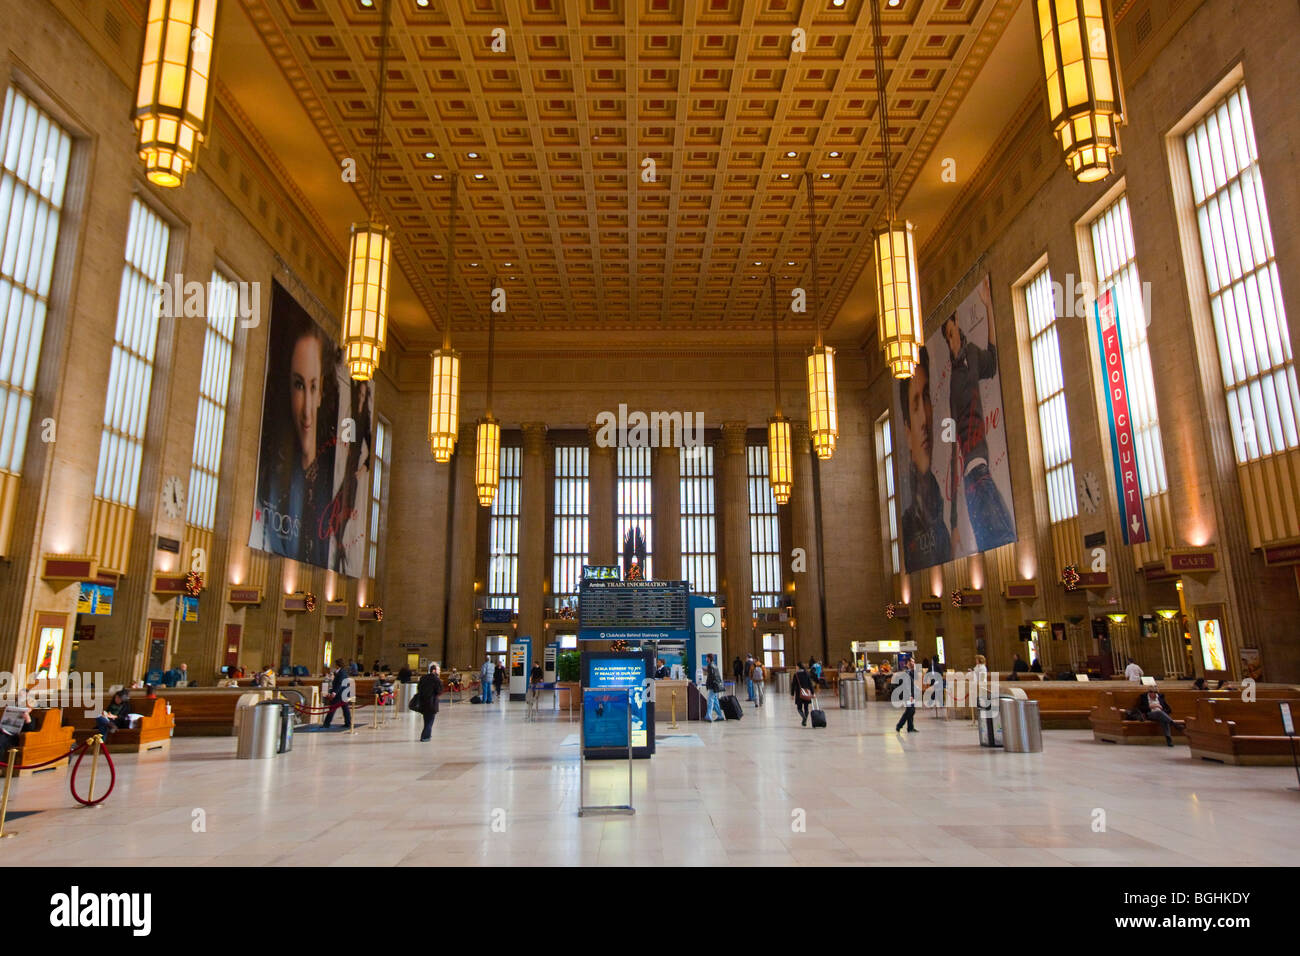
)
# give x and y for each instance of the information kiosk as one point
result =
(521, 665)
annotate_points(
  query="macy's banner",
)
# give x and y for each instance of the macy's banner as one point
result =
(1128, 483)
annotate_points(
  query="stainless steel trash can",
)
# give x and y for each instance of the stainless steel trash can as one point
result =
(852, 694)
(783, 684)
(405, 693)
(287, 721)
(1022, 729)
(259, 732)
(988, 718)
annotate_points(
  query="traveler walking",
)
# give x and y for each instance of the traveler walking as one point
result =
(756, 681)
(905, 691)
(487, 673)
(340, 695)
(803, 691)
(426, 692)
(713, 684)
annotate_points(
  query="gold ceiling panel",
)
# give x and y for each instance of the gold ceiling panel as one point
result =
(634, 161)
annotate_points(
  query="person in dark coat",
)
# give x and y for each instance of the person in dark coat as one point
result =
(338, 698)
(404, 675)
(427, 692)
(905, 693)
(802, 682)
(498, 679)
(1153, 707)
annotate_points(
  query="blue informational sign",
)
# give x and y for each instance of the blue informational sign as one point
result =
(624, 671)
(497, 615)
(604, 718)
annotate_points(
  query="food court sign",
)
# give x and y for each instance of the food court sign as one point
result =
(1128, 483)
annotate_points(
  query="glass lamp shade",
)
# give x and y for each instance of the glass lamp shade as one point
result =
(780, 464)
(487, 460)
(898, 298)
(1085, 100)
(823, 419)
(444, 403)
(365, 314)
(171, 103)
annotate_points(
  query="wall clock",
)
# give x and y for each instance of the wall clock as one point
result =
(1090, 492)
(173, 497)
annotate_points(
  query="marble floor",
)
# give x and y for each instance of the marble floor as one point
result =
(494, 789)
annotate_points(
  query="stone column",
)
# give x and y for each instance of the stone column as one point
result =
(737, 574)
(458, 641)
(807, 582)
(600, 502)
(532, 534)
(667, 506)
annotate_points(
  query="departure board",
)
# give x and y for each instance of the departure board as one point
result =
(623, 605)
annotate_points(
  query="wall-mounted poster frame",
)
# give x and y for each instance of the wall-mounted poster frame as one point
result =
(1214, 649)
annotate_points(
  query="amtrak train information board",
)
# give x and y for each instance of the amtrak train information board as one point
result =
(633, 610)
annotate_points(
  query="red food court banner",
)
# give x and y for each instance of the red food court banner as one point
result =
(1128, 483)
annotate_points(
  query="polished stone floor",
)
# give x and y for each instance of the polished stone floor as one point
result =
(492, 788)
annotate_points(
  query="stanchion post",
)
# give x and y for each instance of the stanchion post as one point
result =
(11, 759)
(95, 741)
(673, 725)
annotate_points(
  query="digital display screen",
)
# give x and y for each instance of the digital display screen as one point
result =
(616, 605)
(619, 671)
(604, 718)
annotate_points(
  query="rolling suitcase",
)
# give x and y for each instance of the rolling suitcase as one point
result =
(731, 708)
(818, 716)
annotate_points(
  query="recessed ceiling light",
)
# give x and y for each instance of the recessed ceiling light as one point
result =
(421, 3)
(473, 155)
(826, 175)
(785, 175)
(837, 3)
(473, 265)
(430, 156)
(894, 3)
(790, 263)
(479, 176)
(791, 154)
(757, 263)
(367, 3)
(437, 175)
(509, 264)
(835, 154)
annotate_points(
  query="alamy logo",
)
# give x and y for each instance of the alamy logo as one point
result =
(656, 430)
(74, 909)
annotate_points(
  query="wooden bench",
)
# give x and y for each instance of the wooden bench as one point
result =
(47, 739)
(152, 733)
(210, 712)
(1240, 732)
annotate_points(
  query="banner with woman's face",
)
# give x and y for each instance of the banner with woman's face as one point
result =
(950, 445)
(313, 467)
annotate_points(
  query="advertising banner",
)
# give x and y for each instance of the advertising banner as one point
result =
(950, 442)
(313, 469)
(1128, 483)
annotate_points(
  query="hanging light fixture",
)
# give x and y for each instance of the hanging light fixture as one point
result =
(1085, 100)
(171, 103)
(823, 419)
(444, 367)
(365, 313)
(487, 437)
(898, 295)
(780, 466)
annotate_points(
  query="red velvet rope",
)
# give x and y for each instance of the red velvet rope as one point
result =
(112, 776)
(72, 777)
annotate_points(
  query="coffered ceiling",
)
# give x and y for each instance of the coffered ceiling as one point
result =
(551, 139)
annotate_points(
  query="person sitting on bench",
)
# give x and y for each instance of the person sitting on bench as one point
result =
(114, 716)
(1153, 706)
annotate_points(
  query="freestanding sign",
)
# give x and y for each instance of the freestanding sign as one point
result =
(1128, 482)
